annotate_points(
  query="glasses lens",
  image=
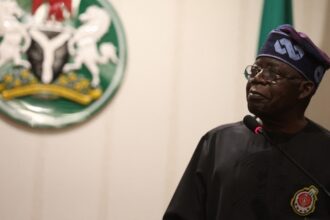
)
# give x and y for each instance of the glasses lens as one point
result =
(247, 73)
(251, 71)
(255, 70)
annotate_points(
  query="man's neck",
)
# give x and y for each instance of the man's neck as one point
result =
(287, 125)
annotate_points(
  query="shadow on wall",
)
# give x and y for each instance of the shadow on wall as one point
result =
(320, 105)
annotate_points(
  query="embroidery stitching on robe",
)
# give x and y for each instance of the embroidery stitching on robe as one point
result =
(59, 63)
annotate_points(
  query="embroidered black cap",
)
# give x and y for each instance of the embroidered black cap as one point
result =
(297, 50)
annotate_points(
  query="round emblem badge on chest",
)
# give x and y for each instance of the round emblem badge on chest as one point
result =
(303, 201)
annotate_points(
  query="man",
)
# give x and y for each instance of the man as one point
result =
(283, 175)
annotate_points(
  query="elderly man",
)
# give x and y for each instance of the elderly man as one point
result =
(282, 174)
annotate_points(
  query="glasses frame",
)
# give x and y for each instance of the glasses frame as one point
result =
(268, 78)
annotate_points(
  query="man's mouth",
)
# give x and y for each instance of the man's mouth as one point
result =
(252, 94)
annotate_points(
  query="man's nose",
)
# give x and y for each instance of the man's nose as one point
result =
(260, 77)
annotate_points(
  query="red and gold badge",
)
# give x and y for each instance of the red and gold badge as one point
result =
(303, 201)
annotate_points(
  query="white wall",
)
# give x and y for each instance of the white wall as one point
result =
(184, 77)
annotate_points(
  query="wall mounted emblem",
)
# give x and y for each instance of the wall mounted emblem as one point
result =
(61, 61)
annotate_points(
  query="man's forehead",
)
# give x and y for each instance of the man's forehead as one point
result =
(268, 61)
(275, 63)
(271, 62)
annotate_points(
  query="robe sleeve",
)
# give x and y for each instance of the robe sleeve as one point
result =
(189, 200)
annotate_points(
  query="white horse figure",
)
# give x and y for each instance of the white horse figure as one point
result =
(16, 39)
(83, 44)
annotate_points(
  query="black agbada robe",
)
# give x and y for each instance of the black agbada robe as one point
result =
(237, 175)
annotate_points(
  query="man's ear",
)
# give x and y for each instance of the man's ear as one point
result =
(306, 89)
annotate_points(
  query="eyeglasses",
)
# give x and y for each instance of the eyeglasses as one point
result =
(271, 76)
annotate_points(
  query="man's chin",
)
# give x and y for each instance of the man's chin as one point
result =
(257, 111)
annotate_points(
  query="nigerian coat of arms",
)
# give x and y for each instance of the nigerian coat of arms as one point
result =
(60, 60)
